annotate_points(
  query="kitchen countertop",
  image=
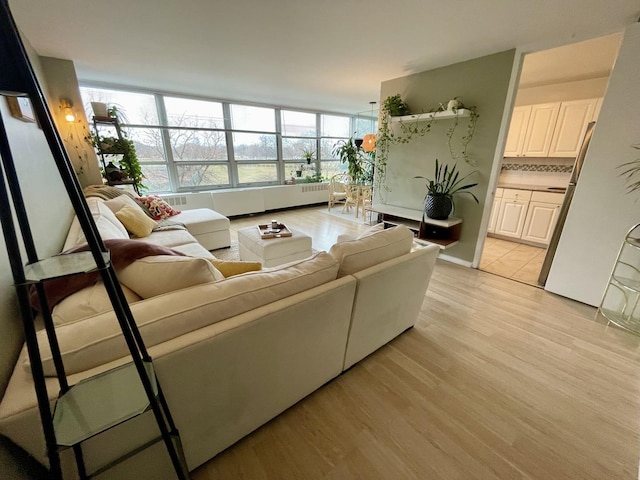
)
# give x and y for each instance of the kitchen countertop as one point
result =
(535, 188)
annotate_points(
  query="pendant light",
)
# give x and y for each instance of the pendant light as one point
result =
(369, 140)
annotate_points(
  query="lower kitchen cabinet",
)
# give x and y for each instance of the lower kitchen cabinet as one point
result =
(495, 211)
(511, 218)
(513, 211)
(525, 215)
(540, 222)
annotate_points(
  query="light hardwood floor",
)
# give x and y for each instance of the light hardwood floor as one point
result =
(497, 380)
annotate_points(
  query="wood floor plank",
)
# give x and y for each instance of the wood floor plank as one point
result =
(498, 380)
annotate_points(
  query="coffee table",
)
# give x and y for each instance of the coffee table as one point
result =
(273, 251)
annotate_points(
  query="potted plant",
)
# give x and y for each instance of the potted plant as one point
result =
(299, 170)
(438, 201)
(308, 155)
(395, 106)
(347, 152)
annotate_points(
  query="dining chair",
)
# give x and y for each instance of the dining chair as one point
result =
(351, 200)
(364, 200)
(337, 193)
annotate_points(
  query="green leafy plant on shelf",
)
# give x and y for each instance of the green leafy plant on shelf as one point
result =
(129, 163)
(308, 155)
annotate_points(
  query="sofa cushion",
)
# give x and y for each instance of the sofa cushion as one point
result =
(98, 340)
(170, 238)
(117, 203)
(106, 222)
(155, 275)
(136, 221)
(379, 246)
(87, 302)
(157, 207)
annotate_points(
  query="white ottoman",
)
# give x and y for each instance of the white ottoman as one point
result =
(210, 228)
(273, 251)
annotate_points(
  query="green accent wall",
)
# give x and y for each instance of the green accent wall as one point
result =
(481, 82)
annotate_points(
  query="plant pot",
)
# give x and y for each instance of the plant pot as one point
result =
(99, 109)
(308, 161)
(298, 173)
(438, 207)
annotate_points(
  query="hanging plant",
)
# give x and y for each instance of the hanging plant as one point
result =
(466, 138)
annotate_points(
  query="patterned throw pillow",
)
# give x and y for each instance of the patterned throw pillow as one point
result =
(158, 208)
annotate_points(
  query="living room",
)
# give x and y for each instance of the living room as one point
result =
(486, 80)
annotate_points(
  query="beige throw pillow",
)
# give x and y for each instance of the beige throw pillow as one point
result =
(158, 274)
(135, 221)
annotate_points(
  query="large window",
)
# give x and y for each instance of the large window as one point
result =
(334, 129)
(187, 144)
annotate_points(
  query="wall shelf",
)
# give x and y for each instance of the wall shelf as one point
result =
(444, 233)
(421, 117)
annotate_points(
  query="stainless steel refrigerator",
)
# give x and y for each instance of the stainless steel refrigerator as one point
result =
(564, 209)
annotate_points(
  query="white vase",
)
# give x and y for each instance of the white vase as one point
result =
(454, 104)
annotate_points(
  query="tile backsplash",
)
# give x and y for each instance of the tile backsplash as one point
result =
(551, 172)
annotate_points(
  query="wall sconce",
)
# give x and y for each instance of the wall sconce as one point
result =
(65, 106)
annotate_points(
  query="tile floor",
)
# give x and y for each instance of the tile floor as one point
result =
(512, 260)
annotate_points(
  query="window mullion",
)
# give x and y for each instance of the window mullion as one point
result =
(279, 151)
(233, 166)
(166, 143)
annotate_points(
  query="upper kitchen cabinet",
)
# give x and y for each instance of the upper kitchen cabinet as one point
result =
(570, 126)
(540, 129)
(517, 131)
(550, 129)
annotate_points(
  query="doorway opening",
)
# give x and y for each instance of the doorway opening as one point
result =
(559, 95)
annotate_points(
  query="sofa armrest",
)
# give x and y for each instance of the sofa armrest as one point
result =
(388, 300)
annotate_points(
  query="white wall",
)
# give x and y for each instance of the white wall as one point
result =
(562, 92)
(602, 211)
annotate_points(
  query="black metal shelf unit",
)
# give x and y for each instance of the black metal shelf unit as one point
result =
(74, 401)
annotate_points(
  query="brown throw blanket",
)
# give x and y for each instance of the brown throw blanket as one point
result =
(122, 252)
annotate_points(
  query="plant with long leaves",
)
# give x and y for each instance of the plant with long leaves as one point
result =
(448, 182)
(632, 173)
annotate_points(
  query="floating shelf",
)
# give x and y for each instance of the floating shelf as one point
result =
(421, 117)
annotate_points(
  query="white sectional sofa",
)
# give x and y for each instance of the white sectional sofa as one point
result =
(230, 353)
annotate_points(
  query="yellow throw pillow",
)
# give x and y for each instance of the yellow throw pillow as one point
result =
(229, 268)
(135, 221)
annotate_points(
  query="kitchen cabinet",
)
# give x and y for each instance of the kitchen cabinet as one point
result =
(517, 131)
(513, 211)
(550, 129)
(540, 129)
(542, 216)
(495, 210)
(525, 215)
(573, 118)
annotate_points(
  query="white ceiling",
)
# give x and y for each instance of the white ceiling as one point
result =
(321, 54)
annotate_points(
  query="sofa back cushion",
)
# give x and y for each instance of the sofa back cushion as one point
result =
(87, 302)
(106, 222)
(97, 340)
(158, 274)
(372, 249)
